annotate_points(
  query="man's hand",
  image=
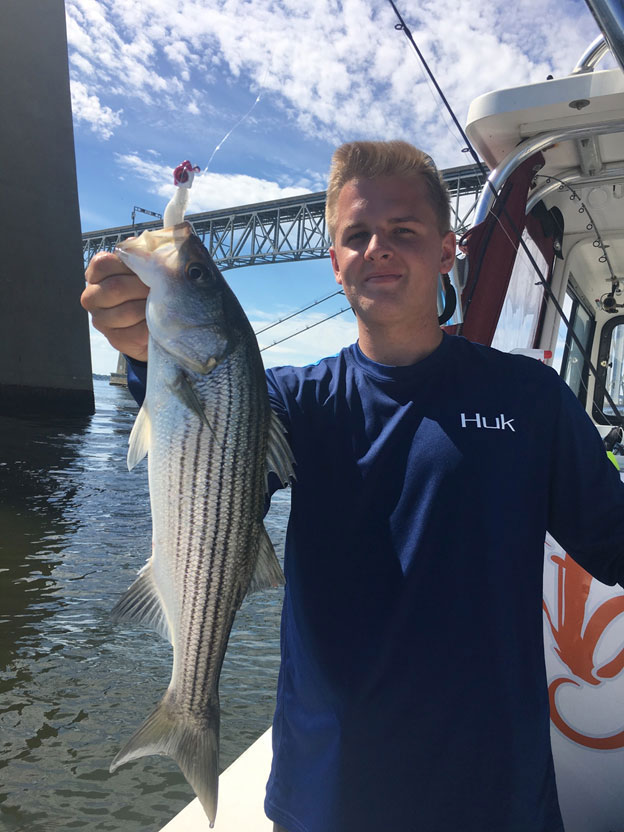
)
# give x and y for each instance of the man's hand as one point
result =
(115, 297)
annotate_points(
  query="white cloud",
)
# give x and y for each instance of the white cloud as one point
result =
(336, 70)
(100, 118)
(210, 190)
(318, 341)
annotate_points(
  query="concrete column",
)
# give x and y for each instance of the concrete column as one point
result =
(45, 359)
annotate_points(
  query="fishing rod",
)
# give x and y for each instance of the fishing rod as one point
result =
(519, 242)
(305, 328)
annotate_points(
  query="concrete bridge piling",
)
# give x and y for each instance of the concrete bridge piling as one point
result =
(45, 361)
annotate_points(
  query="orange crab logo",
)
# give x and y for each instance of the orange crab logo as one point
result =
(576, 645)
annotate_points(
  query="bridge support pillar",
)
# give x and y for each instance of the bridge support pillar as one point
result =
(45, 362)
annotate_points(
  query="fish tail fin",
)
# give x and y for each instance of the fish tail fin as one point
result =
(194, 745)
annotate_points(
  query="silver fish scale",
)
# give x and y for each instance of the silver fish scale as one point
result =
(207, 504)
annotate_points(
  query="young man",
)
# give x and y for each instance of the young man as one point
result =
(412, 693)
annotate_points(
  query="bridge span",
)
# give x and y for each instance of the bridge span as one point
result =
(283, 230)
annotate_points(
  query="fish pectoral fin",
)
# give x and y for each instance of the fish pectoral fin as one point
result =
(141, 603)
(280, 459)
(184, 389)
(140, 438)
(193, 745)
(268, 572)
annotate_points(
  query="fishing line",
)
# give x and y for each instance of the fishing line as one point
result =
(239, 122)
(305, 329)
(299, 311)
(402, 26)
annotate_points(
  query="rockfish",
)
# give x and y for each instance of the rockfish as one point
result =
(211, 438)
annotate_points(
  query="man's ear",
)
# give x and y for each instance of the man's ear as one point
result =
(447, 258)
(335, 266)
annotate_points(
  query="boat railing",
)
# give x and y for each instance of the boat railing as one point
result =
(592, 56)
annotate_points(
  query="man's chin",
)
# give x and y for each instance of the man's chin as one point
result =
(376, 314)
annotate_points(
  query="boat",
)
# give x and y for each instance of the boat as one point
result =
(556, 154)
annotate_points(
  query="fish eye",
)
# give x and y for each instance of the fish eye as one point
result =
(197, 271)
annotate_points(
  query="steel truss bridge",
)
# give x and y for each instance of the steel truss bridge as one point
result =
(283, 230)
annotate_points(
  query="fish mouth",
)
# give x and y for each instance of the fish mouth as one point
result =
(134, 260)
(153, 250)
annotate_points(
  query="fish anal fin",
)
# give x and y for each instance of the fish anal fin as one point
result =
(140, 437)
(193, 744)
(141, 603)
(280, 459)
(268, 573)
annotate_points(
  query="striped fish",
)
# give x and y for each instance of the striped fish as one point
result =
(211, 439)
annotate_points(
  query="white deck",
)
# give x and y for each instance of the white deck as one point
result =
(242, 788)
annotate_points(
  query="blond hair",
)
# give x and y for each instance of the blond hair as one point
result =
(368, 160)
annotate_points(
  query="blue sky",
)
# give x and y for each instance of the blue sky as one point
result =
(158, 81)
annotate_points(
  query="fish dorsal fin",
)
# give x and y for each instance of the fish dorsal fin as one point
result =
(141, 603)
(268, 572)
(140, 437)
(279, 456)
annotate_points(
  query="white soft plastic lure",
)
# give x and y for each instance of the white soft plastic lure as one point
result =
(183, 177)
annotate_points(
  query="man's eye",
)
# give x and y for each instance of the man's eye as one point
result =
(356, 235)
(401, 230)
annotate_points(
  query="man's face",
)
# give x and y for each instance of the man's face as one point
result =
(389, 251)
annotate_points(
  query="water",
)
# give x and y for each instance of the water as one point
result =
(75, 529)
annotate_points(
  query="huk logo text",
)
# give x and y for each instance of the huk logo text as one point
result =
(486, 423)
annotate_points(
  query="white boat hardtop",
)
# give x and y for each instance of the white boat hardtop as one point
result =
(498, 121)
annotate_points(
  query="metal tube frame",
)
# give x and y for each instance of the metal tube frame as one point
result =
(572, 177)
(594, 53)
(519, 154)
(609, 15)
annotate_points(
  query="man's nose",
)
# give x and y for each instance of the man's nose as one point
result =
(378, 247)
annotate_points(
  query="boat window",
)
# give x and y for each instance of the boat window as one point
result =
(574, 367)
(562, 335)
(520, 315)
(610, 372)
(615, 367)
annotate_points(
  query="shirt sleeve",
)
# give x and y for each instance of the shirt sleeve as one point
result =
(137, 378)
(278, 405)
(586, 495)
(276, 397)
